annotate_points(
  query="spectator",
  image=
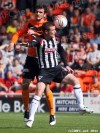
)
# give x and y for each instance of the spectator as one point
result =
(69, 57)
(20, 53)
(3, 88)
(13, 27)
(28, 14)
(88, 47)
(8, 39)
(87, 19)
(4, 17)
(76, 43)
(81, 54)
(21, 20)
(64, 42)
(70, 11)
(3, 56)
(77, 32)
(95, 10)
(11, 82)
(6, 54)
(16, 68)
(84, 38)
(90, 33)
(2, 69)
(8, 4)
(75, 19)
(78, 64)
(67, 89)
(93, 58)
(96, 40)
(95, 89)
(3, 34)
(71, 36)
(97, 27)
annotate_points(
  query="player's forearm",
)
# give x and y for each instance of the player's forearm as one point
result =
(15, 38)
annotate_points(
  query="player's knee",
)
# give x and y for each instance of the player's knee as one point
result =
(25, 87)
(71, 79)
(47, 89)
(76, 81)
(41, 87)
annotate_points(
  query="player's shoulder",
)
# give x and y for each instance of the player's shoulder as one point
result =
(38, 39)
(32, 20)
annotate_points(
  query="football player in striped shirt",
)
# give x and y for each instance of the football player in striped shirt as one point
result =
(50, 70)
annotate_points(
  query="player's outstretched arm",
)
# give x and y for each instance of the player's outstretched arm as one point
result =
(25, 44)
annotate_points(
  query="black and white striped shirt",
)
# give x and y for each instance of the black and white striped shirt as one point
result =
(47, 51)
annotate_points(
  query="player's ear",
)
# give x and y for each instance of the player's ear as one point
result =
(45, 15)
(46, 31)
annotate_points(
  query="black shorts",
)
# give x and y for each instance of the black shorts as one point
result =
(56, 74)
(31, 68)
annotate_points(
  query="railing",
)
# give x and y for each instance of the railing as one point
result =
(88, 94)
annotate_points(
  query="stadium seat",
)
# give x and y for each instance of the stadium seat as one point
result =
(91, 72)
(88, 79)
(89, 76)
(87, 87)
(18, 91)
(98, 75)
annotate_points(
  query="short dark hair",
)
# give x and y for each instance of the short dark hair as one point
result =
(41, 7)
(47, 25)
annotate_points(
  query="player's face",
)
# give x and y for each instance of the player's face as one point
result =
(51, 31)
(40, 14)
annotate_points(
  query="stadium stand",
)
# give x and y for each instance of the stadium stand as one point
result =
(78, 38)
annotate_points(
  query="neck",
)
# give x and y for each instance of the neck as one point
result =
(40, 20)
(47, 37)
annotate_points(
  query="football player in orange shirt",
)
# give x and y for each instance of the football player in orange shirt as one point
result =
(31, 67)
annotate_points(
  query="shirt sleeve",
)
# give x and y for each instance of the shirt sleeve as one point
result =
(35, 42)
(20, 33)
(62, 53)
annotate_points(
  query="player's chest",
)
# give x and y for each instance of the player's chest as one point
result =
(49, 46)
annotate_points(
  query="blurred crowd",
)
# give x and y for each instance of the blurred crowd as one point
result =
(80, 39)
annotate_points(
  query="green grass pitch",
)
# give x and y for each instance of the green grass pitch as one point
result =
(66, 123)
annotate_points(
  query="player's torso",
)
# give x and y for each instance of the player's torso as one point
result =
(37, 27)
(47, 53)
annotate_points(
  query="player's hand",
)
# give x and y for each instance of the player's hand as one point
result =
(69, 69)
(26, 44)
(31, 32)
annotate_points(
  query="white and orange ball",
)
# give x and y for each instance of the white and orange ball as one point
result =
(60, 21)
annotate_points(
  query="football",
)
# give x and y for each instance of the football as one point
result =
(60, 21)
